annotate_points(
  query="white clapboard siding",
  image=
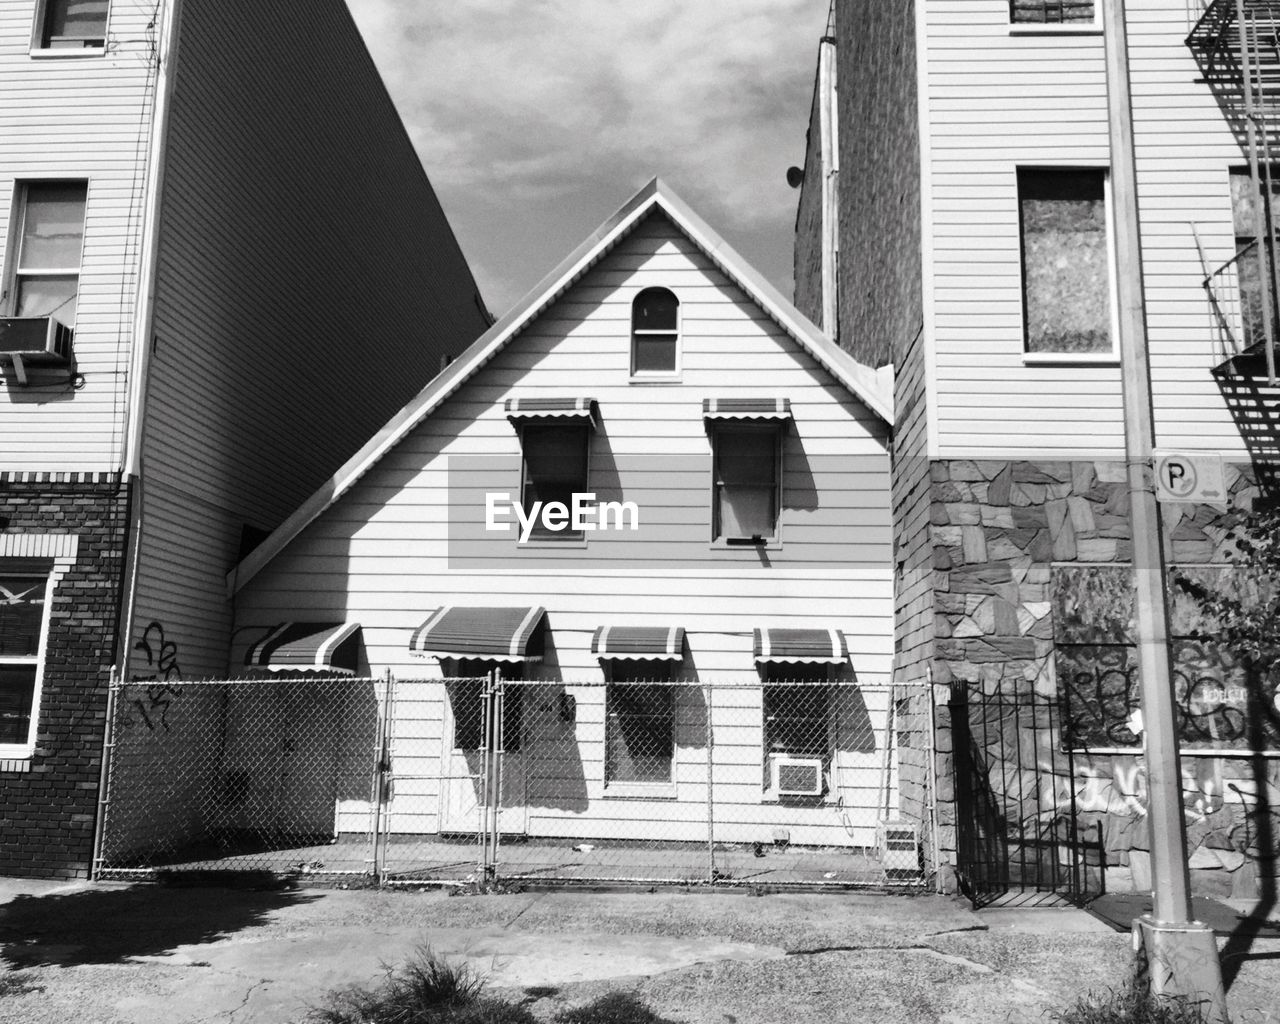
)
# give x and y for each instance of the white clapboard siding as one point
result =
(993, 101)
(308, 285)
(77, 117)
(379, 556)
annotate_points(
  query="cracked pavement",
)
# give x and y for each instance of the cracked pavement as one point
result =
(108, 954)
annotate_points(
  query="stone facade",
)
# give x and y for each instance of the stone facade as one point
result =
(48, 803)
(1032, 610)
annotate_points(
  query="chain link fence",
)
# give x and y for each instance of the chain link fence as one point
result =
(478, 780)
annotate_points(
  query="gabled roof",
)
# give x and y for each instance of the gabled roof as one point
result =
(872, 389)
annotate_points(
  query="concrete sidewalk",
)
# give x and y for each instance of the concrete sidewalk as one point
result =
(150, 953)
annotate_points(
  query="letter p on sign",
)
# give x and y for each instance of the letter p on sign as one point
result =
(1183, 476)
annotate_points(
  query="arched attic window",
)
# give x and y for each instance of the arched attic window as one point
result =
(655, 333)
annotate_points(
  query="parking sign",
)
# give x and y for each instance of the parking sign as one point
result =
(1185, 476)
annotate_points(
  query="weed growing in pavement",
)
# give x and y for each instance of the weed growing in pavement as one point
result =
(430, 990)
(12, 985)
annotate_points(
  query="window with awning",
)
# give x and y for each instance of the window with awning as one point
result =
(746, 408)
(487, 633)
(583, 409)
(307, 647)
(629, 643)
(815, 646)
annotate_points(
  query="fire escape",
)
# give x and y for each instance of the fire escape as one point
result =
(1236, 44)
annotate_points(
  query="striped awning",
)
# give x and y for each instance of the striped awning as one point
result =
(493, 634)
(800, 645)
(307, 647)
(552, 408)
(636, 643)
(746, 408)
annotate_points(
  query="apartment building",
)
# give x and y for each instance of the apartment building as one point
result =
(222, 266)
(957, 195)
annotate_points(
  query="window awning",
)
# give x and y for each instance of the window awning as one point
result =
(635, 643)
(746, 408)
(799, 645)
(492, 634)
(307, 647)
(552, 408)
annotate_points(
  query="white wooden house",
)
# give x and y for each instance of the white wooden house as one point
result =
(655, 369)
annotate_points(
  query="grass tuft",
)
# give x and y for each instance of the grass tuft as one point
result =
(1132, 1004)
(612, 1008)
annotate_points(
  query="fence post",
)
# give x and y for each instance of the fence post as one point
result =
(711, 814)
(104, 777)
(931, 775)
(500, 749)
(382, 759)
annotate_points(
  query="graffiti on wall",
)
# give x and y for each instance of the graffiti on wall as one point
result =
(157, 695)
(1213, 697)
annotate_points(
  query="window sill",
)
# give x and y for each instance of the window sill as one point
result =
(827, 799)
(69, 52)
(654, 378)
(1070, 359)
(1055, 30)
(15, 762)
(640, 791)
(557, 543)
(769, 544)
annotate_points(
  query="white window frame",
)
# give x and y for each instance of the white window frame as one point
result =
(75, 52)
(769, 681)
(566, 537)
(657, 376)
(651, 789)
(17, 222)
(778, 429)
(25, 749)
(1104, 358)
(1056, 28)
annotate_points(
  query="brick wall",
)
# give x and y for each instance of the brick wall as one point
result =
(879, 231)
(48, 809)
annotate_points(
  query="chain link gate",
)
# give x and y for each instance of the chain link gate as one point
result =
(480, 780)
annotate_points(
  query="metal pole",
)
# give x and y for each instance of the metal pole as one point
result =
(1181, 953)
(104, 776)
(708, 690)
(486, 717)
(500, 729)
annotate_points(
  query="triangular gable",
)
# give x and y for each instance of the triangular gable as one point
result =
(873, 389)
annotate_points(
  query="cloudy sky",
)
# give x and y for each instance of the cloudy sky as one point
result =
(536, 119)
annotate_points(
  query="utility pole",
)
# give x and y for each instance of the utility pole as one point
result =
(1181, 953)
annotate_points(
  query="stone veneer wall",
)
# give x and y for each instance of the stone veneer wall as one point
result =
(997, 530)
(48, 803)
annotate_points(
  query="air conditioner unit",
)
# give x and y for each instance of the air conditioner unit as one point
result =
(34, 341)
(796, 776)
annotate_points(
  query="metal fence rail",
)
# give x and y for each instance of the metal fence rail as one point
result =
(777, 783)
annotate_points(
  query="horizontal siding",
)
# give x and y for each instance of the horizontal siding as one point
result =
(997, 101)
(78, 117)
(308, 284)
(380, 555)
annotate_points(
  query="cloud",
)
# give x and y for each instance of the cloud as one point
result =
(535, 105)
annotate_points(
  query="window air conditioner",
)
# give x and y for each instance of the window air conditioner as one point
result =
(899, 846)
(34, 340)
(797, 776)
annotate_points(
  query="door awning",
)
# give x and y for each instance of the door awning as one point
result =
(636, 643)
(491, 634)
(583, 409)
(307, 647)
(827, 646)
(746, 408)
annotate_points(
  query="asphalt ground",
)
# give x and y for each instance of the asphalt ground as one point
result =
(147, 953)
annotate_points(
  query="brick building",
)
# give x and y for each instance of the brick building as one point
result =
(182, 194)
(973, 231)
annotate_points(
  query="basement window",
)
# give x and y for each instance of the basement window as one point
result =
(24, 599)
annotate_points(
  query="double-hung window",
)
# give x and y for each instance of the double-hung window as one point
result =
(24, 601)
(1244, 213)
(1066, 262)
(466, 698)
(555, 469)
(71, 25)
(655, 334)
(747, 470)
(639, 722)
(44, 278)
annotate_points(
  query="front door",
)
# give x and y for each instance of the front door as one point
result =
(480, 717)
